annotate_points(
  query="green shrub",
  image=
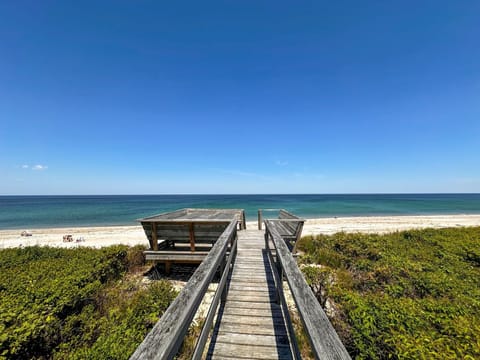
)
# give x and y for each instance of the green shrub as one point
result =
(75, 303)
(411, 294)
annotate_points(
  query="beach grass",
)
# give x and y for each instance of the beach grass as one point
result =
(404, 295)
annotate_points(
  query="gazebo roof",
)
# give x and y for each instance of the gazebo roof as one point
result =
(196, 215)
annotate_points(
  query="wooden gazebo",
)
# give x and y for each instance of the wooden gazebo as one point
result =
(187, 235)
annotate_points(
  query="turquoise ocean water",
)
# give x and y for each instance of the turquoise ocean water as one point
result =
(61, 211)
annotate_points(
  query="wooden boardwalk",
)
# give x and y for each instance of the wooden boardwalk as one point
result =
(249, 313)
(250, 323)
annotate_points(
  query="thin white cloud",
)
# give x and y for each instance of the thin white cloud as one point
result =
(281, 163)
(39, 167)
(24, 166)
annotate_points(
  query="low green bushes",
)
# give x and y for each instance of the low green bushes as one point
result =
(411, 294)
(75, 303)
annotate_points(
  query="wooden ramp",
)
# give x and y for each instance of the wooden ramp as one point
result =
(250, 323)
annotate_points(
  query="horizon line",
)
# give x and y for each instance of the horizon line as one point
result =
(250, 194)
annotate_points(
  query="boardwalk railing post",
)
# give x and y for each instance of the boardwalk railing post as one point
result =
(223, 297)
(280, 277)
(259, 219)
(232, 245)
(266, 240)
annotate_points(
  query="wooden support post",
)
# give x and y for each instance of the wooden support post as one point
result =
(154, 237)
(168, 267)
(223, 268)
(259, 219)
(278, 264)
(192, 237)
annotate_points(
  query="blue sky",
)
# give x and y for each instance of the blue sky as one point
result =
(136, 97)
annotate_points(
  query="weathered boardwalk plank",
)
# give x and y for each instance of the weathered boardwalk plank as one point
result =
(252, 286)
(251, 305)
(252, 329)
(238, 311)
(240, 351)
(250, 324)
(249, 339)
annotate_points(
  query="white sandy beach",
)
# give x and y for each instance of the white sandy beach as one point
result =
(133, 235)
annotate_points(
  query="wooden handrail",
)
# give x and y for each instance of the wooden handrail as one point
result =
(324, 340)
(260, 216)
(166, 337)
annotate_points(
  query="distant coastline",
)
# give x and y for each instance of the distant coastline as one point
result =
(19, 212)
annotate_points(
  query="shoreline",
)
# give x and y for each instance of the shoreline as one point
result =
(387, 224)
(99, 236)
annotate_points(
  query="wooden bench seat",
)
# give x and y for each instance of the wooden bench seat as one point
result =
(183, 242)
(175, 256)
(289, 227)
(172, 235)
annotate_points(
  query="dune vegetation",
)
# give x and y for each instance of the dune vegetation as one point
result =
(410, 294)
(404, 295)
(78, 303)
